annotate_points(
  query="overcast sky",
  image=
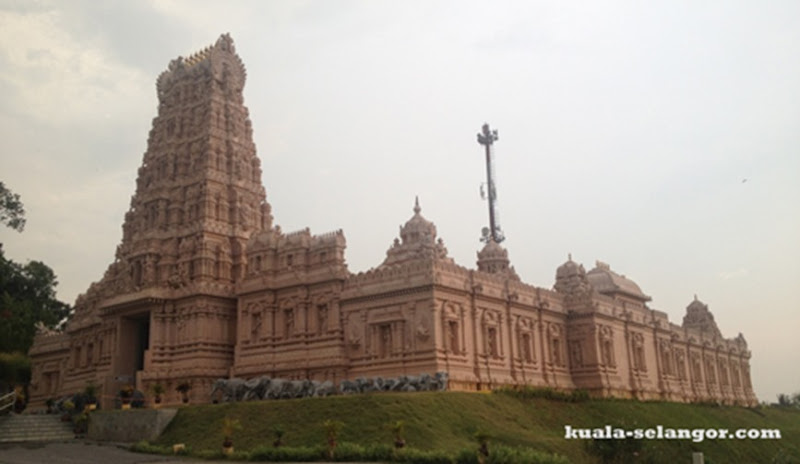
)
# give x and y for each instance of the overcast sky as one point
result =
(660, 137)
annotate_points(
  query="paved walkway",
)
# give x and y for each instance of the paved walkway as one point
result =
(76, 452)
(82, 452)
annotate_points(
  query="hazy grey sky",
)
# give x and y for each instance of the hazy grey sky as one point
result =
(660, 137)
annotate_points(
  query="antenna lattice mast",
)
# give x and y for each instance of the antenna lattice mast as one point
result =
(487, 138)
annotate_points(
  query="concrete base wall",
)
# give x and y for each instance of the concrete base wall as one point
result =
(129, 426)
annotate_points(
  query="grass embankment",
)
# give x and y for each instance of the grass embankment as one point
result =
(448, 422)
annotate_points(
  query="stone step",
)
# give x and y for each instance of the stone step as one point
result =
(42, 428)
(32, 431)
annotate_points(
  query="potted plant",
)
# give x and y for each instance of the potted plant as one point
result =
(183, 388)
(125, 394)
(68, 407)
(228, 427)
(279, 431)
(332, 429)
(157, 390)
(81, 425)
(398, 431)
(50, 403)
(483, 450)
(19, 402)
(91, 396)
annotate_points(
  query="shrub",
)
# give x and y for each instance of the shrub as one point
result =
(91, 392)
(467, 456)
(526, 392)
(229, 426)
(349, 452)
(279, 432)
(613, 451)
(424, 457)
(509, 455)
(357, 453)
(157, 390)
(146, 447)
(377, 452)
(287, 454)
(15, 368)
(332, 429)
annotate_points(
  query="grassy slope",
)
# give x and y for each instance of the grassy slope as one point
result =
(448, 420)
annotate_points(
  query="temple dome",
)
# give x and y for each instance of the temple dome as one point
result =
(493, 259)
(696, 306)
(569, 269)
(699, 317)
(493, 251)
(417, 241)
(418, 229)
(608, 282)
(571, 280)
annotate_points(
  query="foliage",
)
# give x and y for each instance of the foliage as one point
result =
(183, 387)
(229, 426)
(351, 452)
(126, 392)
(483, 445)
(398, 429)
(279, 432)
(81, 422)
(332, 429)
(91, 391)
(15, 368)
(12, 213)
(446, 422)
(424, 456)
(789, 401)
(27, 296)
(574, 396)
(511, 455)
(611, 451)
(146, 447)
(68, 405)
(157, 389)
(287, 454)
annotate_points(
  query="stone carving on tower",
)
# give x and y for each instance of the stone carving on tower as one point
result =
(198, 194)
(198, 199)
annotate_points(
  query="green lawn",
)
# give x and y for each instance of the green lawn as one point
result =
(448, 421)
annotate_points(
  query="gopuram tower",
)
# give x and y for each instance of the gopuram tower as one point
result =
(170, 292)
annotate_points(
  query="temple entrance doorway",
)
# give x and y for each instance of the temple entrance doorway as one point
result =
(134, 341)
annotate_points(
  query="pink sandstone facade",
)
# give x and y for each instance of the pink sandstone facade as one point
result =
(205, 286)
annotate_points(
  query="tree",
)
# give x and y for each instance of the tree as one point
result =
(27, 292)
(789, 401)
(27, 296)
(12, 213)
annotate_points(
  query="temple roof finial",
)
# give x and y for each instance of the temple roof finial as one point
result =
(695, 297)
(417, 209)
(569, 256)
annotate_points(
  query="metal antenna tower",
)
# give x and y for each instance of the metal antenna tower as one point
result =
(487, 138)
